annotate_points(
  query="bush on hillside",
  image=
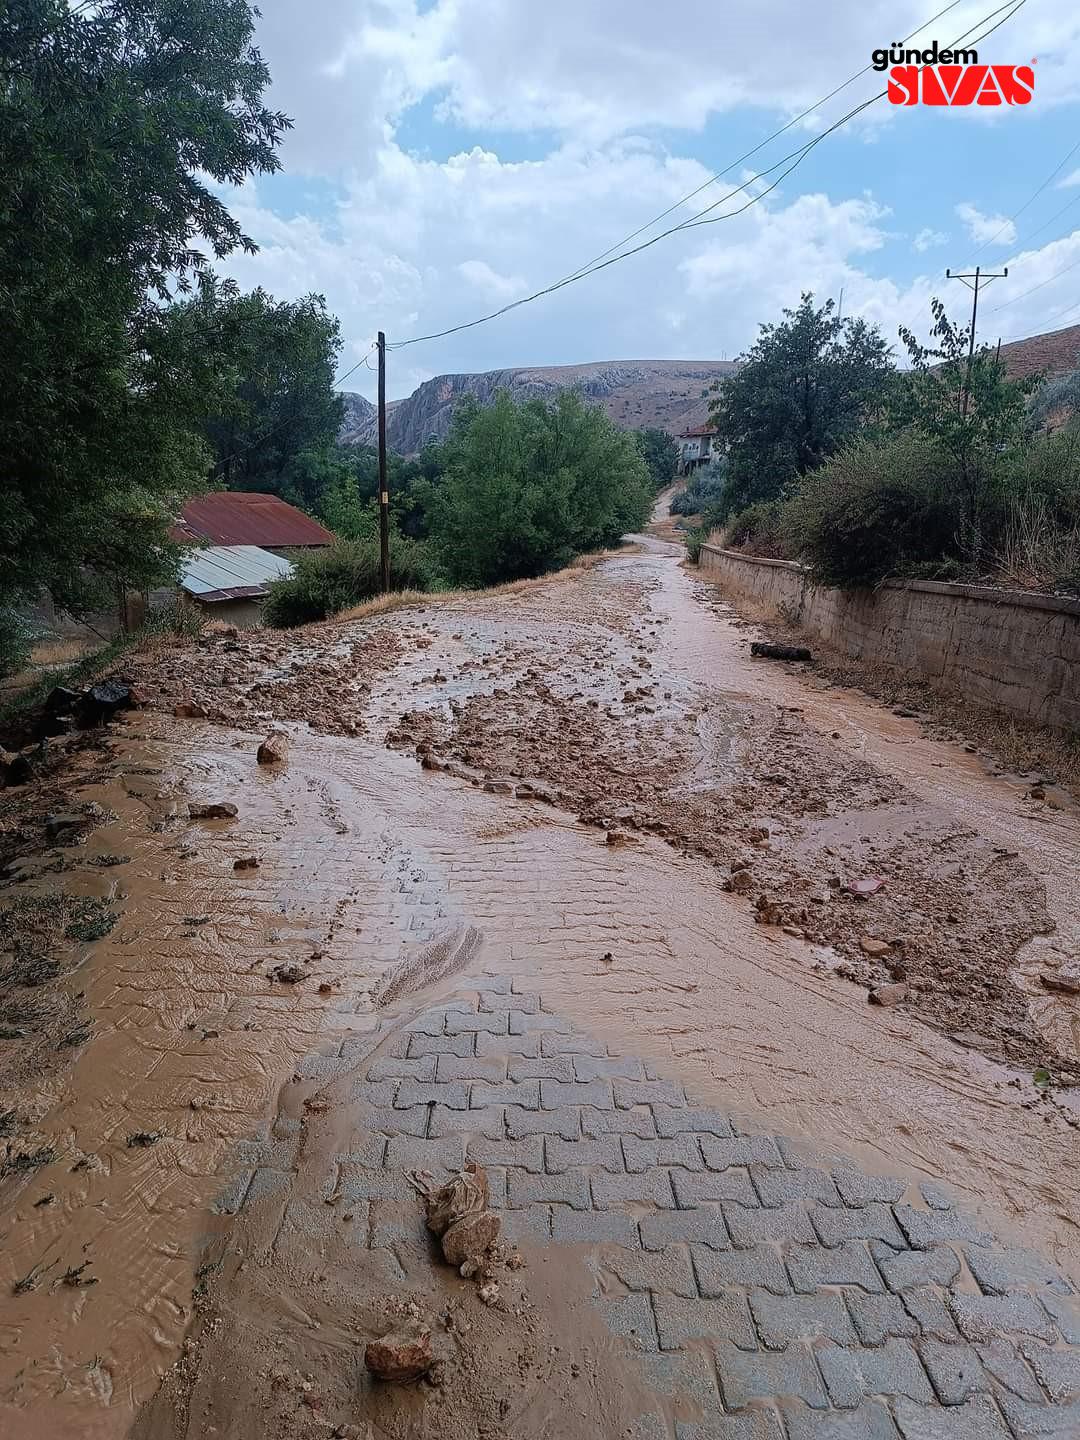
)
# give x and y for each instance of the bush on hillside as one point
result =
(876, 509)
(325, 582)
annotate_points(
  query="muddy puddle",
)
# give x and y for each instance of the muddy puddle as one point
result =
(365, 856)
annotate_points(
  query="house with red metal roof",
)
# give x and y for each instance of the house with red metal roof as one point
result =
(243, 517)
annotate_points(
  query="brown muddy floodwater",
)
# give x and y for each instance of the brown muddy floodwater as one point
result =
(364, 856)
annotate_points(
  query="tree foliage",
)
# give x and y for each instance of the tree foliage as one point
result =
(270, 397)
(660, 453)
(803, 390)
(528, 486)
(117, 122)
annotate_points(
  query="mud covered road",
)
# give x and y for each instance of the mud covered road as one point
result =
(585, 790)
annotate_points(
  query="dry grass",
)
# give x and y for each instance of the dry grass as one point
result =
(435, 599)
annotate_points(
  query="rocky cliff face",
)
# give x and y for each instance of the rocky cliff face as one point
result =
(635, 393)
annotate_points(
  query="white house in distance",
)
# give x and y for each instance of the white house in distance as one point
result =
(696, 447)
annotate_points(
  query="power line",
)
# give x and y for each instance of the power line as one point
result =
(760, 146)
(797, 156)
(1024, 293)
(1033, 196)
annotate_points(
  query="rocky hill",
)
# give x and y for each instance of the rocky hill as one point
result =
(635, 393)
(1051, 354)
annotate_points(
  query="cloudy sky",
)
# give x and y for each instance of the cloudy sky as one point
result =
(450, 156)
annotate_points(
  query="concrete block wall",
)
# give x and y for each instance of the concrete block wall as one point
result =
(1016, 651)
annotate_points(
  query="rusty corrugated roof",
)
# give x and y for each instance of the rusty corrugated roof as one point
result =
(240, 517)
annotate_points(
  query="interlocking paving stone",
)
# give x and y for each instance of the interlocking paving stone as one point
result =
(780, 1319)
(469, 1067)
(672, 1120)
(1041, 1422)
(490, 1122)
(977, 1419)
(904, 1269)
(998, 1271)
(1058, 1371)
(704, 1227)
(565, 1122)
(647, 1092)
(632, 1317)
(606, 1067)
(638, 1122)
(594, 1227)
(870, 1421)
(852, 1375)
(924, 1228)
(724, 1318)
(719, 1270)
(555, 1094)
(554, 1067)
(682, 1150)
(524, 1189)
(778, 1186)
(710, 1187)
(525, 1154)
(812, 1266)
(525, 1093)
(868, 1222)
(668, 1270)
(955, 1370)
(750, 1227)
(719, 1153)
(653, 1187)
(603, 1154)
(823, 1304)
(790, 1373)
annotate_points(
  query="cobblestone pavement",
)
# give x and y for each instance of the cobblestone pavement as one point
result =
(771, 1294)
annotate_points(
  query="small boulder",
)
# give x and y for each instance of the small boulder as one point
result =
(246, 862)
(888, 994)
(274, 750)
(875, 948)
(287, 974)
(400, 1356)
(213, 810)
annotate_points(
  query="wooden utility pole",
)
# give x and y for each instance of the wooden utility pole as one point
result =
(979, 277)
(384, 493)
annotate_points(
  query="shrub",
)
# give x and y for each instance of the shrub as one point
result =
(17, 637)
(694, 540)
(703, 492)
(876, 509)
(759, 530)
(326, 581)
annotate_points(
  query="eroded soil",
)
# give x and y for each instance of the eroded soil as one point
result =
(580, 772)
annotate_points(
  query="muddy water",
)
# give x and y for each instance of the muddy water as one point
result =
(363, 857)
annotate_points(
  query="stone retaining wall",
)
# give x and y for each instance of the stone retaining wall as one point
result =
(1017, 651)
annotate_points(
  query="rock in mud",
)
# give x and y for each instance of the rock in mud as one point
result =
(766, 651)
(274, 750)
(888, 994)
(871, 946)
(287, 974)
(214, 810)
(246, 862)
(400, 1357)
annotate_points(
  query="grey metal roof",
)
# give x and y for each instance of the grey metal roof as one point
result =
(231, 572)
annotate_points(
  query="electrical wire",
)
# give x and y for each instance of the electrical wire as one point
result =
(1033, 196)
(797, 156)
(1024, 293)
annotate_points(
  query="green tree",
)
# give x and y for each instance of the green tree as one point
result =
(804, 389)
(660, 453)
(272, 414)
(118, 121)
(968, 408)
(528, 486)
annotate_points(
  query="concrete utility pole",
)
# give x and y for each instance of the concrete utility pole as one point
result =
(384, 493)
(979, 277)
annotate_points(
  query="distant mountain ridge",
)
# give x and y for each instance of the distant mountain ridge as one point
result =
(635, 393)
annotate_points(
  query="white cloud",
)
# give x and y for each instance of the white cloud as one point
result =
(986, 229)
(489, 282)
(928, 239)
(1073, 178)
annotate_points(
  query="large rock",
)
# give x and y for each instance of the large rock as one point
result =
(274, 750)
(400, 1356)
(213, 810)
